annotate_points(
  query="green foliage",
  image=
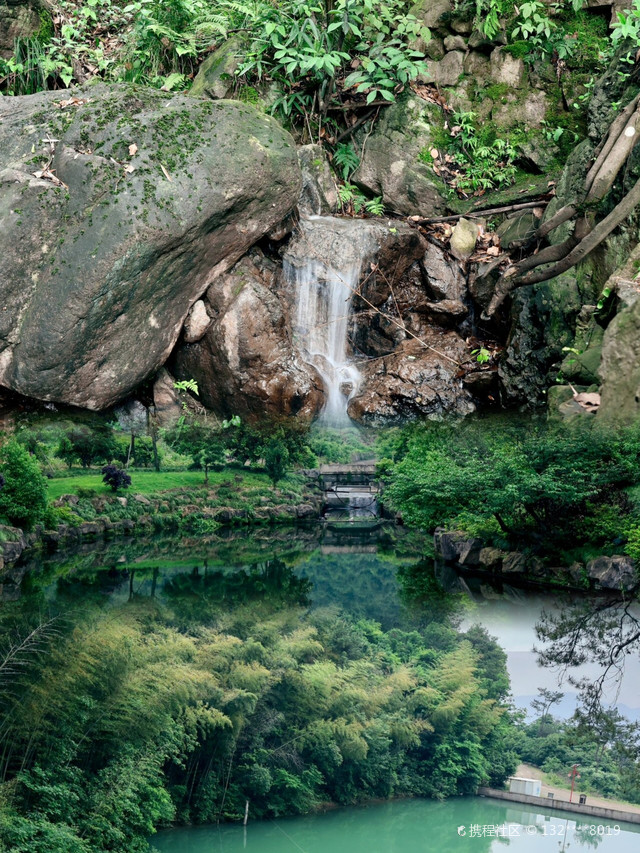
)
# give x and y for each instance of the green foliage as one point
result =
(632, 547)
(23, 498)
(276, 460)
(56, 515)
(340, 446)
(353, 201)
(542, 485)
(627, 25)
(488, 14)
(307, 48)
(483, 159)
(204, 442)
(249, 442)
(228, 690)
(87, 446)
(605, 748)
(346, 159)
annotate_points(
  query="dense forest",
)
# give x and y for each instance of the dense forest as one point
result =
(120, 718)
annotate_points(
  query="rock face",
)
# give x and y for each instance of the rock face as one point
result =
(247, 363)
(391, 166)
(20, 19)
(145, 202)
(458, 548)
(410, 322)
(615, 572)
(620, 368)
(197, 322)
(216, 76)
(319, 196)
(414, 380)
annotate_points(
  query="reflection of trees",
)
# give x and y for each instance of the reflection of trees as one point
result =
(585, 837)
(602, 633)
(272, 581)
(422, 590)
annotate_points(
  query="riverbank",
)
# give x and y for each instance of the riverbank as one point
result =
(562, 793)
(85, 510)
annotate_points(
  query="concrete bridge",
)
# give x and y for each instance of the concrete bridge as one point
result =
(359, 474)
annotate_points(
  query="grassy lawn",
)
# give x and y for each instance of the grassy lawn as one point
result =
(150, 482)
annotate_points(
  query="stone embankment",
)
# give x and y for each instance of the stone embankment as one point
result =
(470, 554)
(188, 511)
(562, 805)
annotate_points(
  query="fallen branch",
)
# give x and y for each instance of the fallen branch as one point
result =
(509, 208)
(351, 130)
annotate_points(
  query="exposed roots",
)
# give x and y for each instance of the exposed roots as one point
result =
(611, 155)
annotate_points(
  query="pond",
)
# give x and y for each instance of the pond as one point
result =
(137, 618)
(411, 826)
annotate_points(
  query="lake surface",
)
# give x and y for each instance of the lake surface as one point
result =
(410, 826)
(376, 575)
(385, 575)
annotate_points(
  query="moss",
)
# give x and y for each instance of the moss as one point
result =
(519, 49)
(496, 92)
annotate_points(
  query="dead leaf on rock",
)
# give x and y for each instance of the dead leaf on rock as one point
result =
(47, 174)
(71, 102)
(129, 168)
(493, 250)
(133, 148)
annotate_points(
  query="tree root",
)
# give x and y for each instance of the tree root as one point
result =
(610, 157)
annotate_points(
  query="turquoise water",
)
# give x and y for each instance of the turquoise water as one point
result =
(465, 825)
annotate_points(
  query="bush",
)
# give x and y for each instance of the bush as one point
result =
(276, 460)
(23, 498)
(115, 477)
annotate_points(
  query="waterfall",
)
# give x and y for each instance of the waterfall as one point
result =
(324, 265)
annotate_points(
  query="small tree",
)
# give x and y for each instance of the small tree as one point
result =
(276, 460)
(203, 443)
(115, 477)
(88, 446)
(23, 498)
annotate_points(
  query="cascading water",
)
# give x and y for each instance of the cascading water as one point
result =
(324, 266)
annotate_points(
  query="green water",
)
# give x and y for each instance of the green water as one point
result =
(387, 577)
(471, 824)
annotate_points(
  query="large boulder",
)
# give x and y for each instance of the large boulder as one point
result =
(617, 572)
(110, 232)
(391, 165)
(419, 378)
(247, 363)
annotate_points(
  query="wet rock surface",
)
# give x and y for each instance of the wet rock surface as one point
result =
(455, 547)
(247, 362)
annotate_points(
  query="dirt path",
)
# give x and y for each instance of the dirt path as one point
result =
(530, 772)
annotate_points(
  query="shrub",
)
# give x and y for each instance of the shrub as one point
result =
(23, 498)
(276, 460)
(115, 477)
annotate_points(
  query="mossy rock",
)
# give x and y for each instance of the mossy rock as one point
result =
(22, 19)
(391, 166)
(102, 254)
(216, 76)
